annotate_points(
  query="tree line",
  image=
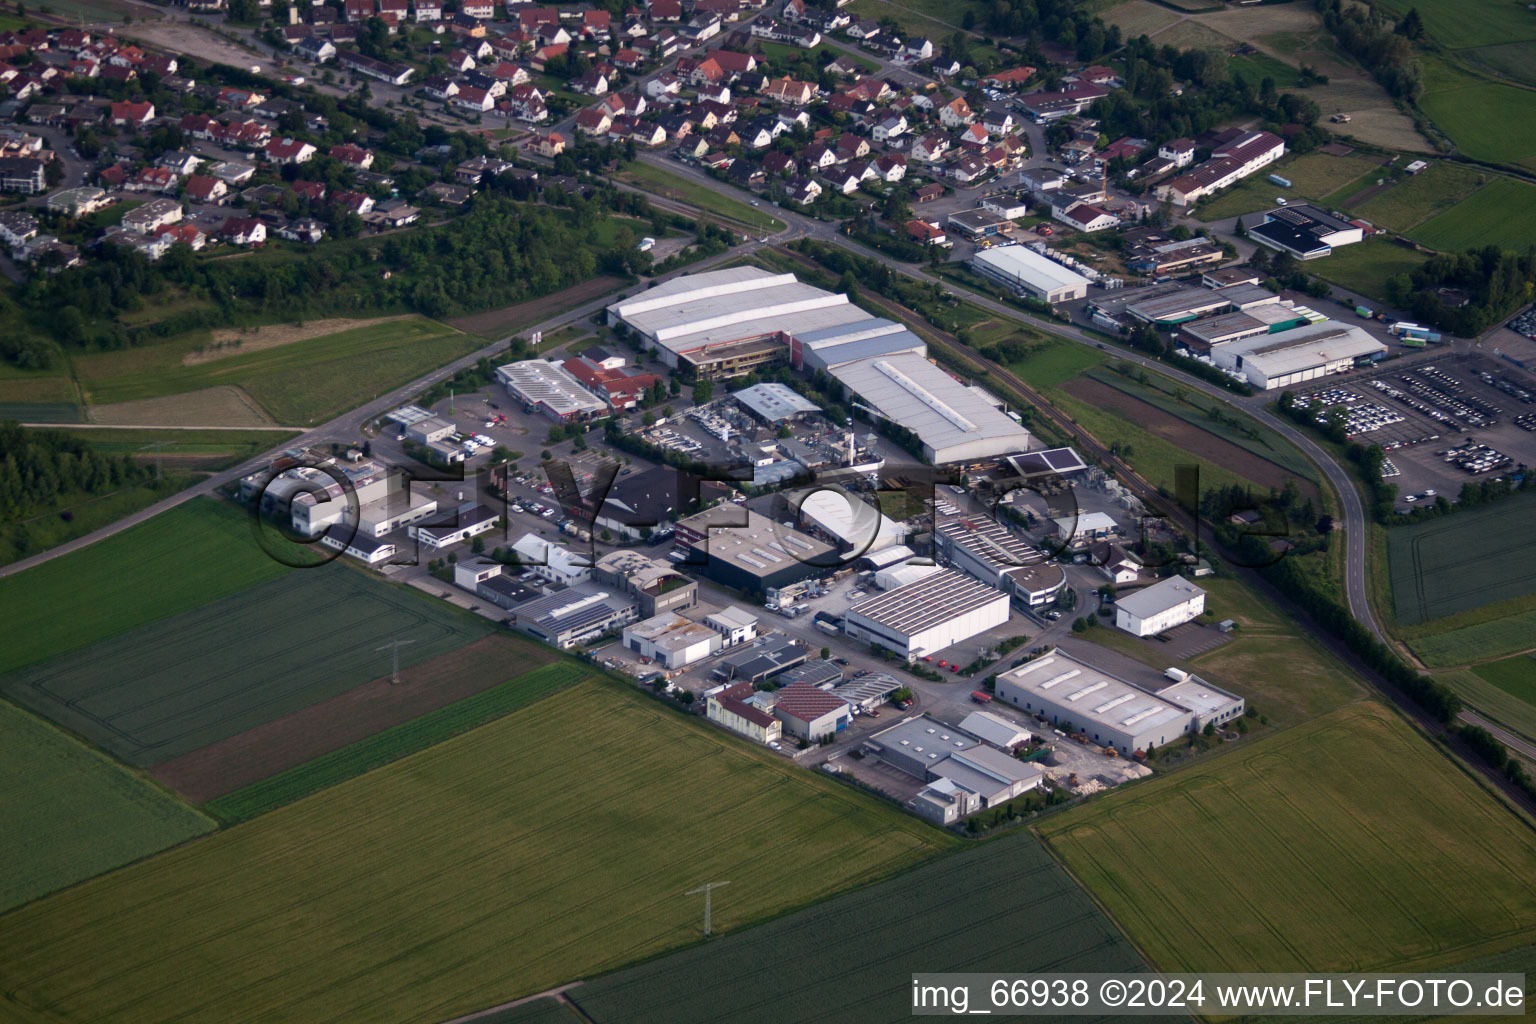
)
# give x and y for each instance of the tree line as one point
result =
(39, 467)
(1492, 283)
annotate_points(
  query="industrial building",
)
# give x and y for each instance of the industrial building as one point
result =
(732, 707)
(1177, 307)
(868, 691)
(1109, 710)
(1079, 531)
(822, 674)
(1152, 251)
(419, 425)
(774, 403)
(739, 548)
(1305, 232)
(963, 774)
(640, 502)
(735, 625)
(943, 609)
(574, 615)
(1027, 272)
(846, 520)
(1301, 354)
(551, 561)
(995, 729)
(1167, 603)
(832, 347)
(767, 656)
(728, 323)
(989, 551)
(464, 523)
(944, 414)
(1272, 318)
(1234, 156)
(657, 585)
(809, 713)
(1045, 464)
(978, 223)
(489, 581)
(550, 390)
(672, 641)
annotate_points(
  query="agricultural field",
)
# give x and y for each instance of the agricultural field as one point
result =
(301, 383)
(68, 813)
(1459, 24)
(1253, 68)
(1487, 119)
(1140, 17)
(1365, 266)
(237, 662)
(77, 514)
(184, 449)
(1415, 199)
(175, 562)
(411, 735)
(1312, 176)
(1503, 213)
(998, 906)
(1462, 561)
(37, 396)
(421, 890)
(1503, 60)
(1301, 852)
(1504, 691)
(1491, 631)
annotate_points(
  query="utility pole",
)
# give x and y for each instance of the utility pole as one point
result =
(394, 648)
(706, 890)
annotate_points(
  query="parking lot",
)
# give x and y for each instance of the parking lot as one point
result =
(1442, 422)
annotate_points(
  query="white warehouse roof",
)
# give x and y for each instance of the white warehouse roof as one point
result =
(1092, 696)
(931, 601)
(1159, 597)
(952, 425)
(541, 381)
(850, 519)
(774, 402)
(1299, 349)
(1023, 263)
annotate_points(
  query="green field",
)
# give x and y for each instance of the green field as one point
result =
(1307, 851)
(177, 561)
(1462, 561)
(1491, 631)
(1365, 266)
(522, 854)
(1505, 60)
(1255, 67)
(1492, 701)
(1515, 676)
(1416, 198)
(1053, 363)
(392, 744)
(666, 183)
(1487, 119)
(1002, 906)
(300, 383)
(236, 662)
(40, 412)
(204, 449)
(1456, 24)
(1503, 213)
(68, 813)
(1312, 176)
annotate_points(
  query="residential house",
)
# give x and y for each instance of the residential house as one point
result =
(205, 188)
(289, 151)
(135, 114)
(890, 128)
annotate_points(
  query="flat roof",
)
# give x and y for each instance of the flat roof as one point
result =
(775, 402)
(1214, 329)
(1087, 521)
(762, 547)
(671, 631)
(1046, 461)
(931, 601)
(995, 730)
(732, 616)
(1243, 295)
(1302, 347)
(408, 415)
(541, 381)
(909, 390)
(1024, 264)
(989, 541)
(817, 673)
(1198, 695)
(1185, 303)
(875, 686)
(842, 334)
(1159, 597)
(1092, 695)
(571, 608)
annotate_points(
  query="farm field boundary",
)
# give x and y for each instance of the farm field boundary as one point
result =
(234, 663)
(94, 814)
(1501, 213)
(1463, 561)
(422, 890)
(1301, 853)
(1004, 905)
(1505, 704)
(180, 560)
(401, 740)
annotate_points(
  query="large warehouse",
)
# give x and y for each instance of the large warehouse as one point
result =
(1305, 232)
(945, 415)
(987, 550)
(727, 323)
(941, 610)
(831, 347)
(964, 775)
(1110, 710)
(847, 520)
(741, 549)
(1024, 270)
(1302, 354)
(549, 389)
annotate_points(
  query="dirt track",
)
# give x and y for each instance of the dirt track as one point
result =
(1206, 447)
(289, 741)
